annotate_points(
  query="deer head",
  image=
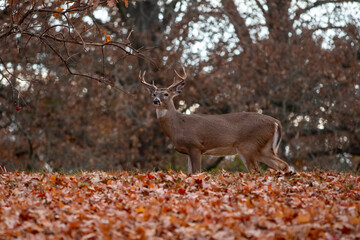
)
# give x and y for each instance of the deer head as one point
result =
(163, 97)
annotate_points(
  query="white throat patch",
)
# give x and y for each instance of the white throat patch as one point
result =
(161, 112)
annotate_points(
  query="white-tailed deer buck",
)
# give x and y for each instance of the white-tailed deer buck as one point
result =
(255, 137)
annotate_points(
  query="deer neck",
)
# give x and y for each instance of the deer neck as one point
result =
(166, 112)
(168, 119)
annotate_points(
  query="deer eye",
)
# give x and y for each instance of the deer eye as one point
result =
(166, 94)
(154, 95)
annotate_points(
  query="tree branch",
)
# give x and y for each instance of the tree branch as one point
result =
(100, 80)
(238, 22)
(299, 12)
(261, 7)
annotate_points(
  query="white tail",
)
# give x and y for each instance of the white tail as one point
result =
(255, 137)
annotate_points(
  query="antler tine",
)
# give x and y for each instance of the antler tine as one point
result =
(181, 77)
(142, 79)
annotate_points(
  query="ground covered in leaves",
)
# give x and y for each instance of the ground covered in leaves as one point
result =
(171, 205)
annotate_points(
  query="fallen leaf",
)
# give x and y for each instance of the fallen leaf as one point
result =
(303, 217)
(140, 209)
(182, 191)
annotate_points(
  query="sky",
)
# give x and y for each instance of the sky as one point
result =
(198, 50)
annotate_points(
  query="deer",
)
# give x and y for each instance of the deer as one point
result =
(253, 136)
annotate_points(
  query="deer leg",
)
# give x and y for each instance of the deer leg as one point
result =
(274, 162)
(250, 164)
(269, 154)
(195, 160)
(189, 165)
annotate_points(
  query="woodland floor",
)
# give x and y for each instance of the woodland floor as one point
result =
(171, 205)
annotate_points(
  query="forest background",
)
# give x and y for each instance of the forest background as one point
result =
(70, 97)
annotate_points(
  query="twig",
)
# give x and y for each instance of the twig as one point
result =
(103, 80)
(10, 83)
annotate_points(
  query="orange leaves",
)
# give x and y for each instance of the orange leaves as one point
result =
(303, 217)
(107, 36)
(126, 3)
(56, 14)
(140, 209)
(170, 205)
(59, 10)
(53, 179)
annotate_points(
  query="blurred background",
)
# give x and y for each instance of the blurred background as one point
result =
(70, 98)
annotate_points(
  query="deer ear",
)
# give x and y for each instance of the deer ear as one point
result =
(150, 89)
(178, 87)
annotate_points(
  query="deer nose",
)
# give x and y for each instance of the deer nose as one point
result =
(156, 101)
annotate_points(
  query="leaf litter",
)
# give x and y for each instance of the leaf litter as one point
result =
(174, 205)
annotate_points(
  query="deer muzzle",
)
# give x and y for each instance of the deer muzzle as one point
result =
(156, 101)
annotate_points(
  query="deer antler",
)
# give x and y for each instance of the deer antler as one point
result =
(181, 77)
(175, 83)
(142, 79)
